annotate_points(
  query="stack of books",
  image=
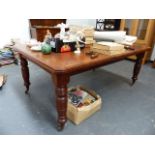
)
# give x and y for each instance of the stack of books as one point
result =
(89, 35)
(108, 48)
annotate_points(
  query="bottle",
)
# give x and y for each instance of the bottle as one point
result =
(53, 45)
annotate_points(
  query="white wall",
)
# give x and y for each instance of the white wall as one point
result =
(83, 22)
(13, 28)
(19, 28)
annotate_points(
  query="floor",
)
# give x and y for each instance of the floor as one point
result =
(126, 109)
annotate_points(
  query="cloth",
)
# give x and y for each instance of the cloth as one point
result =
(7, 57)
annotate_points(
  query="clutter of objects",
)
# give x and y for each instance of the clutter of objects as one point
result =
(76, 38)
(79, 97)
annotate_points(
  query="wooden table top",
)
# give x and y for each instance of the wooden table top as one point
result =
(70, 62)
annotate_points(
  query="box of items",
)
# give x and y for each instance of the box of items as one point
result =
(82, 103)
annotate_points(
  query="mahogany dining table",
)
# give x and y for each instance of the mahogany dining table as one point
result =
(61, 66)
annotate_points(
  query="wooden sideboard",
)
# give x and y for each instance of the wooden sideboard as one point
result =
(38, 27)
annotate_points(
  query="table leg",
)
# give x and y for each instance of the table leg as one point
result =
(137, 67)
(25, 73)
(61, 82)
(153, 65)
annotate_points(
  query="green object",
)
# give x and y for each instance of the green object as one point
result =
(46, 49)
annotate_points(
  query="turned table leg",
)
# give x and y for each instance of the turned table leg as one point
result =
(25, 73)
(153, 65)
(137, 67)
(61, 82)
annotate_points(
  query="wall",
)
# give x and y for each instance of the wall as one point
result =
(13, 28)
(19, 28)
(91, 22)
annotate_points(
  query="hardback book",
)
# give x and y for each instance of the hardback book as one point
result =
(89, 38)
(90, 41)
(108, 52)
(88, 33)
(110, 46)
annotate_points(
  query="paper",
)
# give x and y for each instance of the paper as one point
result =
(110, 35)
(129, 40)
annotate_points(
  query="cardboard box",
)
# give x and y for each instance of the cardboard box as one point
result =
(77, 115)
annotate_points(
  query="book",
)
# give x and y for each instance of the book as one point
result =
(103, 45)
(108, 52)
(90, 41)
(89, 38)
(88, 32)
